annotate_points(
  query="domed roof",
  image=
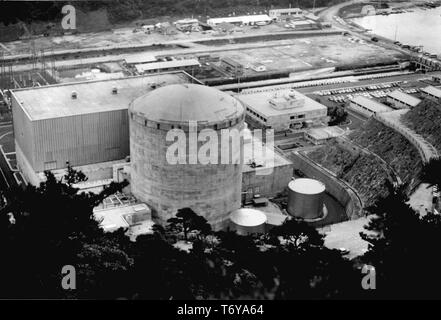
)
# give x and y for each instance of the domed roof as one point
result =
(307, 186)
(248, 217)
(187, 102)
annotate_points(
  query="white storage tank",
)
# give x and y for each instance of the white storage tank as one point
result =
(305, 198)
(211, 190)
(247, 221)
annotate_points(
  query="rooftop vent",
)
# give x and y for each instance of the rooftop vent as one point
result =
(74, 95)
(114, 90)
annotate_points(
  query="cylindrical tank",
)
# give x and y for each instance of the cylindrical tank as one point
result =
(305, 198)
(171, 124)
(247, 221)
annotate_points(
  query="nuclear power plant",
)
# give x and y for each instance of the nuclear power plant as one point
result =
(211, 190)
(157, 132)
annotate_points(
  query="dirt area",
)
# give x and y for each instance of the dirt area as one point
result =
(346, 235)
(125, 36)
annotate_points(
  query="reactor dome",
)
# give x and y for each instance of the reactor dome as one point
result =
(245, 221)
(180, 103)
(305, 198)
(212, 189)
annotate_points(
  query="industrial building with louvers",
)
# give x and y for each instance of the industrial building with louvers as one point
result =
(283, 109)
(85, 123)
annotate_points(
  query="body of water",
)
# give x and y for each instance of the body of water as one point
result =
(420, 27)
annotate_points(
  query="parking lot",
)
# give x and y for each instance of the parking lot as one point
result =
(372, 91)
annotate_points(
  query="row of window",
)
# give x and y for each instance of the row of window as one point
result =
(299, 116)
(362, 107)
(256, 114)
(399, 101)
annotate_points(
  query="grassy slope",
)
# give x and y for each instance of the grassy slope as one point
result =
(363, 172)
(425, 119)
(396, 150)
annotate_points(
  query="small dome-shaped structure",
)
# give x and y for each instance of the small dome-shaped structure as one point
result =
(246, 221)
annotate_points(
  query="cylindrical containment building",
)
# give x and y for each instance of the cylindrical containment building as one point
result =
(247, 221)
(185, 151)
(305, 198)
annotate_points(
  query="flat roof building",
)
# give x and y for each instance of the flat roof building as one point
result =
(285, 13)
(321, 135)
(246, 20)
(366, 106)
(265, 171)
(140, 58)
(283, 109)
(431, 92)
(84, 123)
(166, 65)
(401, 100)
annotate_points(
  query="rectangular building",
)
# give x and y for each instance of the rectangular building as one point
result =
(81, 123)
(401, 100)
(163, 66)
(321, 135)
(366, 106)
(265, 172)
(281, 14)
(241, 20)
(432, 93)
(283, 109)
(186, 24)
(232, 66)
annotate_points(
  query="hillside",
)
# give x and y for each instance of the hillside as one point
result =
(363, 172)
(425, 119)
(392, 147)
(127, 10)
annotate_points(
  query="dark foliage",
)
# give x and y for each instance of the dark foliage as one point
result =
(403, 249)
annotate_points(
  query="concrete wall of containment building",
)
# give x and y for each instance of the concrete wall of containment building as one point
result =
(346, 196)
(81, 140)
(267, 185)
(211, 190)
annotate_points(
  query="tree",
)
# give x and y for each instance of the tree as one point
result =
(431, 173)
(338, 115)
(297, 233)
(187, 221)
(73, 176)
(53, 225)
(402, 246)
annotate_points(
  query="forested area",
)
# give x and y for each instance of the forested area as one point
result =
(126, 10)
(46, 228)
